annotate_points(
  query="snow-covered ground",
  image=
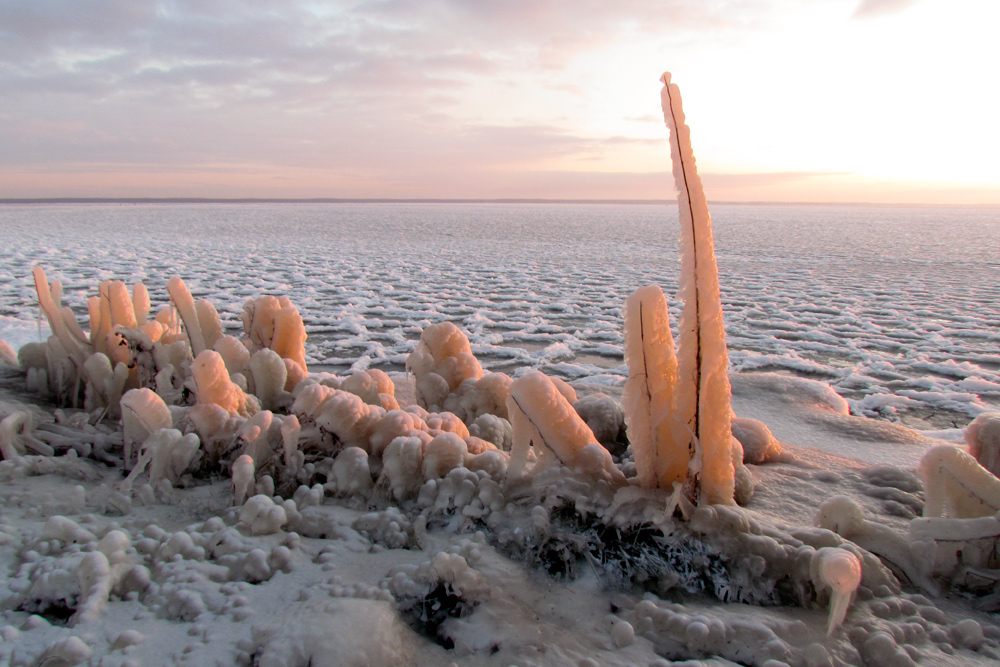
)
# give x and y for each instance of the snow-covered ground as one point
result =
(894, 309)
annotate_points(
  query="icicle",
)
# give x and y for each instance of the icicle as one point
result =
(841, 571)
(702, 411)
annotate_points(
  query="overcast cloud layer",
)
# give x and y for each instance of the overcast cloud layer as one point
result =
(435, 98)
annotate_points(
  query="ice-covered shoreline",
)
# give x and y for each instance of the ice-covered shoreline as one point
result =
(449, 565)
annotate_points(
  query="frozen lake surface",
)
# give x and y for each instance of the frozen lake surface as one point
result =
(896, 307)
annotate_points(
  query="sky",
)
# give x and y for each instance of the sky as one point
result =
(888, 101)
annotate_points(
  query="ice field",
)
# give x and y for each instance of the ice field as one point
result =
(896, 307)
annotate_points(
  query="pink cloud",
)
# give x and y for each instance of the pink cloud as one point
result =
(869, 8)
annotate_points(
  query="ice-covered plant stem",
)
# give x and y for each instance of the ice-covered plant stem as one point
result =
(701, 401)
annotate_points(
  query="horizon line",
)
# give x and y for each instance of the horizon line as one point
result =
(442, 200)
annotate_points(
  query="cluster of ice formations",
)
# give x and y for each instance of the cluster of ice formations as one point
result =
(194, 400)
(535, 481)
(449, 378)
(522, 463)
(678, 405)
(958, 537)
(525, 464)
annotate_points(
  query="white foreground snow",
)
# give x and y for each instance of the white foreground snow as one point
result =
(192, 580)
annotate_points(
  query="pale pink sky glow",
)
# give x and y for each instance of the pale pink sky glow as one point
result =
(828, 100)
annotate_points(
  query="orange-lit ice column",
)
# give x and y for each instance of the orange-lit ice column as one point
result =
(649, 390)
(75, 349)
(702, 410)
(182, 298)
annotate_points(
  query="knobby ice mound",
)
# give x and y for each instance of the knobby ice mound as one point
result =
(201, 497)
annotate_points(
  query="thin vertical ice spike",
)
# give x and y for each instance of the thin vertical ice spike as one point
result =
(701, 412)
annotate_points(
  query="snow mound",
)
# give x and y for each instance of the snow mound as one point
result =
(344, 632)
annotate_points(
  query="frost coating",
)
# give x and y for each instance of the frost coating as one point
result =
(759, 444)
(75, 348)
(392, 425)
(983, 438)
(269, 375)
(7, 355)
(351, 474)
(182, 298)
(441, 361)
(349, 418)
(212, 385)
(290, 431)
(702, 408)
(957, 549)
(544, 420)
(373, 386)
(343, 632)
(16, 439)
(649, 390)
(234, 353)
(262, 515)
(449, 377)
(104, 384)
(143, 412)
(169, 454)
(208, 320)
(274, 323)
(243, 478)
(442, 455)
(95, 580)
(492, 429)
(606, 418)
(402, 467)
(956, 482)
(477, 397)
(66, 652)
(68, 531)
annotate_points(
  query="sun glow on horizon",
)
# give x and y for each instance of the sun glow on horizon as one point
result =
(808, 103)
(875, 99)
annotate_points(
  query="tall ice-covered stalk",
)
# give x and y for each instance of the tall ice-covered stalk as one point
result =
(702, 411)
